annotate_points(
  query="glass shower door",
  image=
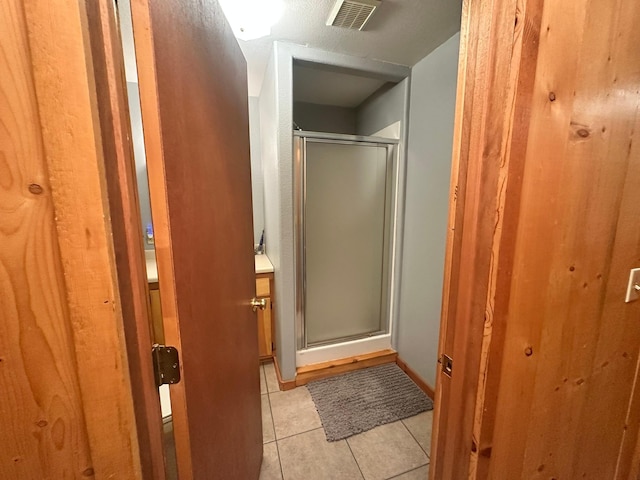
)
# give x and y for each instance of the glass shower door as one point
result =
(346, 216)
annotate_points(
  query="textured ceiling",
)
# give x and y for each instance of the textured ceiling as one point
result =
(400, 31)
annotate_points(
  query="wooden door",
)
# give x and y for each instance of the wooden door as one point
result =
(193, 90)
(544, 231)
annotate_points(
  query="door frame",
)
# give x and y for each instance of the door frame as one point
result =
(490, 49)
(126, 226)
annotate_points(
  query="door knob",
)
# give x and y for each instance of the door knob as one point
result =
(258, 303)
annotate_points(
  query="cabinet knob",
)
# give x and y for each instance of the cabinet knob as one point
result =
(258, 303)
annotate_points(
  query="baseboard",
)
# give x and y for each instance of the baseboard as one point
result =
(335, 367)
(424, 386)
(284, 385)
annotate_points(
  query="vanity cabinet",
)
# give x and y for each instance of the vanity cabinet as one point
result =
(264, 290)
(157, 328)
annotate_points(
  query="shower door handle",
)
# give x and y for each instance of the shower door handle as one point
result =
(260, 303)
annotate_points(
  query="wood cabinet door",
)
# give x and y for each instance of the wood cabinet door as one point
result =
(193, 90)
(264, 331)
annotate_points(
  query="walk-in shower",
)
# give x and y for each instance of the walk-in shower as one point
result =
(345, 201)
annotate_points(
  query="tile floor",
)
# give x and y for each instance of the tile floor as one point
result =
(295, 447)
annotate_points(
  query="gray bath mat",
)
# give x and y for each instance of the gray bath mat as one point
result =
(358, 401)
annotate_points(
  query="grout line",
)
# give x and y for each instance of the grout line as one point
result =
(408, 471)
(273, 424)
(267, 381)
(299, 433)
(354, 457)
(263, 376)
(416, 440)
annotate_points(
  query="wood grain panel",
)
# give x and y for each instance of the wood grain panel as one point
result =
(43, 428)
(568, 330)
(67, 410)
(552, 170)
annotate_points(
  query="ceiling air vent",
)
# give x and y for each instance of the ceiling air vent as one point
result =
(353, 14)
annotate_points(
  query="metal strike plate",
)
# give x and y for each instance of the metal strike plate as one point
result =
(447, 365)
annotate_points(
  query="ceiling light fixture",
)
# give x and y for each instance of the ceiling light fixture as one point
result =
(252, 19)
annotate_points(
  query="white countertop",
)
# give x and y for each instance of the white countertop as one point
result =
(152, 266)
(263, 265)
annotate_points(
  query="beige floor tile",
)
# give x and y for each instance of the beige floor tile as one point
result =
(263, 381)
(420, 428)
(271, 378)
(293, 412)
(421, 473)
(386, 451)
(309, 456)
(270, 469)
(268, 434)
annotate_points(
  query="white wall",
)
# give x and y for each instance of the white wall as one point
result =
(257, 182)
(431, 118)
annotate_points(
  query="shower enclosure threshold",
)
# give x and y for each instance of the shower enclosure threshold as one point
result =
(336, 351)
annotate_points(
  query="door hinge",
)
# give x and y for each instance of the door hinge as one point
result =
(447, 364)
(166, 364)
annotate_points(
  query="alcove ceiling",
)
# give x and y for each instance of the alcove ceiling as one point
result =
(314, 84)
(400, 31)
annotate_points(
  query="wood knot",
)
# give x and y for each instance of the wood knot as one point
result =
(35, 189)
(528, 351)
(42, 423)
(89, 472)
(583, 132)
(572, 268)
(552, 97)
(580, 130)
(580, 381)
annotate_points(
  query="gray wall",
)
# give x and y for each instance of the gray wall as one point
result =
(324, 118)
(274, 124)
(276, 119)
(257, 182)
(433, 94)
(385, 107)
